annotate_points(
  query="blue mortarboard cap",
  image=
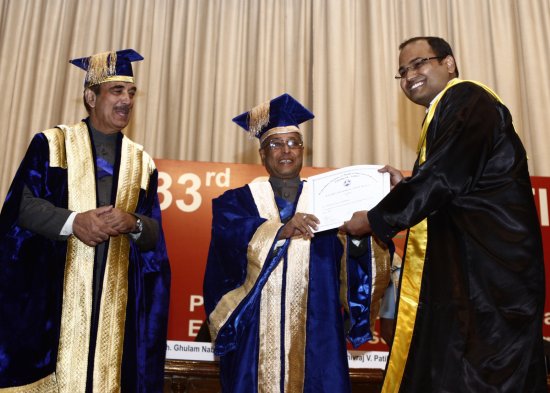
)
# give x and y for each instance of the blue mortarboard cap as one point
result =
(108, 66)
(278, 116)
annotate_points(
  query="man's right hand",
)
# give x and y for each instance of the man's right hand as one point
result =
(301, 224)
(358, 225)
(91, 229)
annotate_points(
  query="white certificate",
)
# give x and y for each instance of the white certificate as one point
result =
(336, 195)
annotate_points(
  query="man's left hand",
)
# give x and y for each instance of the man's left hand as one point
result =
(120, 220)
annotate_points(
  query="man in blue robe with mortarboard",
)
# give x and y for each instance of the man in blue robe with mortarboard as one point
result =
(280, 298)
(84, 274)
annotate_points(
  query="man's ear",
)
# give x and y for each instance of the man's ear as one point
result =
(451, 65)
(262, 155)
(90, 98)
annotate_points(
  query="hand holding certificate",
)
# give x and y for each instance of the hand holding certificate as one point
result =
(336, 195)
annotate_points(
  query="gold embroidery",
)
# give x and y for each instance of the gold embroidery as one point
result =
(279, 130)
(297, 285)
(100, 66)
(110, 338)
(269, 362)
(269, 357)
(148, 167)
(295, 318)
(118, 78)
(72, 360)
(258, 249)
(71, 148)
(56, 143)
(265, 200)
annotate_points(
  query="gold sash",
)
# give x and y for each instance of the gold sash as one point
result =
(295, 295)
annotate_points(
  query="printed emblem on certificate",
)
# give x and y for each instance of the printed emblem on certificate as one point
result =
(336, 195)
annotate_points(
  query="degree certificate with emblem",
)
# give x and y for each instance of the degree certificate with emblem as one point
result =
(336, 195)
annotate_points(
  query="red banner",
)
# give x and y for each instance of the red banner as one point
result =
(186, 189)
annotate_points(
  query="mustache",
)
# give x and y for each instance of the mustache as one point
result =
(123, 108)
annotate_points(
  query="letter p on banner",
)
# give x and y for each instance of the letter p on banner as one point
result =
(195, 301)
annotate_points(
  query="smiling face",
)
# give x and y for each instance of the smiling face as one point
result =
(283, 162)
(422, 84)
(111, 108)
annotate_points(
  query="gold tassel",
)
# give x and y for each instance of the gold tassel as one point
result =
(258, 118)
(100, 67)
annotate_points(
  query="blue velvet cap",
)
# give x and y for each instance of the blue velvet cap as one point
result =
(279, 116)
(108, 66)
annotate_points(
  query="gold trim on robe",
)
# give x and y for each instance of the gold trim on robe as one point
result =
(258, 250)
(70, 147)
(72, 358)
(297, 280)
(56, 144)
(295, 304)
(112, 317)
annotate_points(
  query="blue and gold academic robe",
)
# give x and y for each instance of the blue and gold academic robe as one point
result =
(46, 285)
(279, 315)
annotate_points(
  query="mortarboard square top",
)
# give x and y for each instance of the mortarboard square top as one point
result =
(108, 66)
(281, 115)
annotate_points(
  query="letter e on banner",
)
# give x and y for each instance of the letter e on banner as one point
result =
(194, 326)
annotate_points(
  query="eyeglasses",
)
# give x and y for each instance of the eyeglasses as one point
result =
(279, 144)
(415, 65)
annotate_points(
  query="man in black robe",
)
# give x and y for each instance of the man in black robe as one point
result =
(471, 299)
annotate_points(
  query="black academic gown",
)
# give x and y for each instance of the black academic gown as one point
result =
(478, 324)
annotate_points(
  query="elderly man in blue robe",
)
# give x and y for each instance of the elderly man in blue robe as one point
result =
(280, 297)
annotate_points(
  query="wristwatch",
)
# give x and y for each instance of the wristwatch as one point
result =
(139, 225)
